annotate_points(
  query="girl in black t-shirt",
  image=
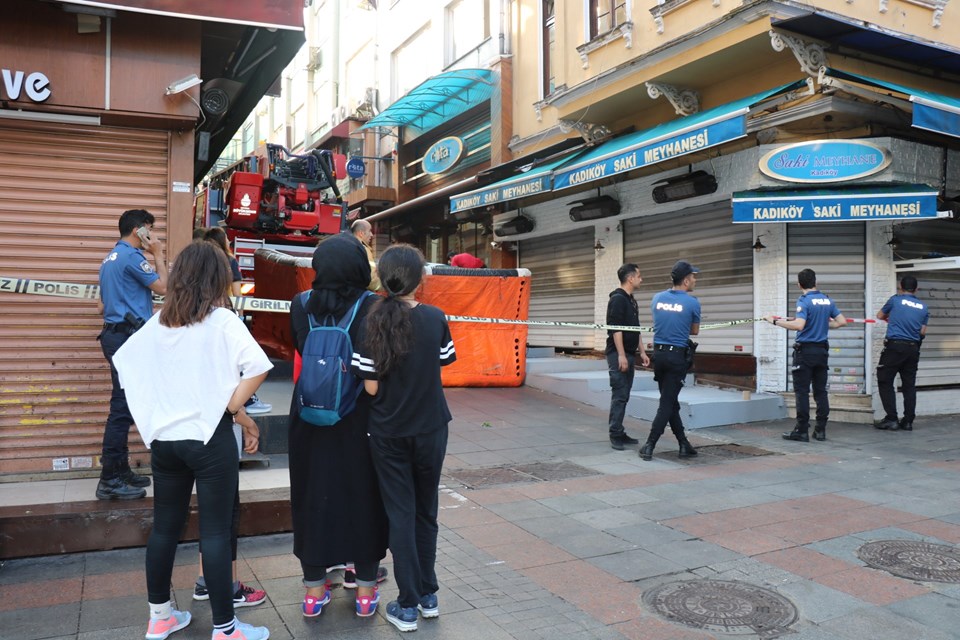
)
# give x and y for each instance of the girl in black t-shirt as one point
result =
(403, 345)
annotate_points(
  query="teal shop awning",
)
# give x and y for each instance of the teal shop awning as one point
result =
(663, 142)
(931, 111)
(874, 202)
(437, 100)
(531, 182)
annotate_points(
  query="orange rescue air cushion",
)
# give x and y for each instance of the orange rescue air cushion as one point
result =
(488, 355)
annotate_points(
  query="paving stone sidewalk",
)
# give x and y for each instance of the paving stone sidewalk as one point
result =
(571, 558)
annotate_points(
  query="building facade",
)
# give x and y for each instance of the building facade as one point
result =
(101, 112)
(694, 121)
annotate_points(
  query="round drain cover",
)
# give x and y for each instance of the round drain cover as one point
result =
(922, 561)
(724, 606)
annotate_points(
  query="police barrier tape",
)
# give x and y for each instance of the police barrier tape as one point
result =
(245, 303)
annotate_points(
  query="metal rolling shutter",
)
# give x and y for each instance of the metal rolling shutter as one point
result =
(561, 289)
(62, 190)
(835, 250)
(720, 249)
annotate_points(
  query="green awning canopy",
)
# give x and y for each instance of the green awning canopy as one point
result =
(437, 100)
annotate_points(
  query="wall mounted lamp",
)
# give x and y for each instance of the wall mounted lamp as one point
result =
(598, 247)
(759, 246)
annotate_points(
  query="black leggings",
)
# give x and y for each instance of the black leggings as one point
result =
(214, 467)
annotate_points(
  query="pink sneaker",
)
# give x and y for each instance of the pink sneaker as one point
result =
(161, 629)
(367, 605)
(248, 596)
(312, 607)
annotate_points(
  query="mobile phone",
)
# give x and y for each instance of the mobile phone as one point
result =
(144, 234)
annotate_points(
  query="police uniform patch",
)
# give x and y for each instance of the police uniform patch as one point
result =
(146, 266)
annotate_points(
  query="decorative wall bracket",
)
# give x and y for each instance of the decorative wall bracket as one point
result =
(936, 6)
(590, 132)
(624, 31)
(538, 109)
(685, 101)
(810, 55)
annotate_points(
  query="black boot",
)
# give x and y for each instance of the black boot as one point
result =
(799, 434)
(134, 479)
(117, 489)
(820, 432)
(686, 449)
(646, 451)
(905, 425)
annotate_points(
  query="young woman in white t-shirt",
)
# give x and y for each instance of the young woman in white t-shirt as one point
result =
(186, 375)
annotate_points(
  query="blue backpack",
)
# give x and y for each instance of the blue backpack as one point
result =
(327, 389)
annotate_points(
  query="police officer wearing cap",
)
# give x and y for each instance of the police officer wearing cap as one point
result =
(907, 317)
(816, 313)
(127, 284)
(676, 317)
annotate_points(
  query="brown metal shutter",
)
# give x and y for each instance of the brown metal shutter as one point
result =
(62, 190)
(562, 287)
(720, 249)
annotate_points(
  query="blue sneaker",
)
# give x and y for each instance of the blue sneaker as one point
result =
(429, 607)
(161, 629)
(404, 619)
(257, 406)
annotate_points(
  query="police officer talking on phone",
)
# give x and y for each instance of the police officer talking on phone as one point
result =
(127, 284)
(676, 317)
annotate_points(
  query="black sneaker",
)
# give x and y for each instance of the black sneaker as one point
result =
(887, 424)
(905, 425)
(134, 479)
(117, 489)
(616, 443)
(625, 439)
(200, 592)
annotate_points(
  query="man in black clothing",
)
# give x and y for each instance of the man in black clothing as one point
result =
(621, 350)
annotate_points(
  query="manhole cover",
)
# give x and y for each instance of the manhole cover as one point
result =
(560, 470)
(915, 560)
(533, 472)
(723, 606)
(712, 453)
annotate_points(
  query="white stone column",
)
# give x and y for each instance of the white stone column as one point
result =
(881, 284)
(610, 235)
(770, 279)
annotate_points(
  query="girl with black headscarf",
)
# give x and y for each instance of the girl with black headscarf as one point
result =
(334, 498)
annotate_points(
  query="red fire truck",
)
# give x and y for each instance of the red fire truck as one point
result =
(274, 199)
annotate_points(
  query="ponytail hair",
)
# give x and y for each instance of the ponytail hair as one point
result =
(389, 329)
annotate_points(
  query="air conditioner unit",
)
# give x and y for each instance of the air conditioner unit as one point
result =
(515, 226)
(594, 208)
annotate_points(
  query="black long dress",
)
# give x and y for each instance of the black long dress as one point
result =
(337, 511)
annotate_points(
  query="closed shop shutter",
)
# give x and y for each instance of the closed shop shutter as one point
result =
(940, 355)
(561, 289)
(62, 190)
(836, 252)
(720, 249)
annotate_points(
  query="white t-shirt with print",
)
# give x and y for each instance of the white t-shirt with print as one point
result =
(178, 381)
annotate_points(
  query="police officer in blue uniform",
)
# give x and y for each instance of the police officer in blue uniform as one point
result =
(676, 317)
(621, 350)
(907, 317)
(816, 314)
(127, 284)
